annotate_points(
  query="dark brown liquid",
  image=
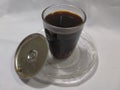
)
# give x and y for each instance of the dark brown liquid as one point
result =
(62, 45)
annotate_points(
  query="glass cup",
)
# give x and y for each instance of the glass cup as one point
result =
(63, 25)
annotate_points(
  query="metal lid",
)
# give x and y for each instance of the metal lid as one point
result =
(31, 55)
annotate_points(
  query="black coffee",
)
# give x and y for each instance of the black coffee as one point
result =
(62, 45)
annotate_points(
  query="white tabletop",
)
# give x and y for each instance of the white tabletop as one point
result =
(21, 18)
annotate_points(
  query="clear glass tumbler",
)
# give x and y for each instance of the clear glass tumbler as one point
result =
(63, 25)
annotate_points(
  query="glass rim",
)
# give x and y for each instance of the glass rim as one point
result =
(84, 20)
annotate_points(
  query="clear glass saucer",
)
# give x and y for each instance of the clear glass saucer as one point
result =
(75, 70)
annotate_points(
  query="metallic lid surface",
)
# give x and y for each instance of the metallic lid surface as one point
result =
(31, 55)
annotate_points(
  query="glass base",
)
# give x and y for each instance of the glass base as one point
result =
(76, 69)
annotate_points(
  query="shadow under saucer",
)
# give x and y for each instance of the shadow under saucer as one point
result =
(35, 83)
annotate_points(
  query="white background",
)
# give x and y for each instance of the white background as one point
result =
(19, 18)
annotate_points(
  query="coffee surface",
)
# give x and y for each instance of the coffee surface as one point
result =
(64, 19)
